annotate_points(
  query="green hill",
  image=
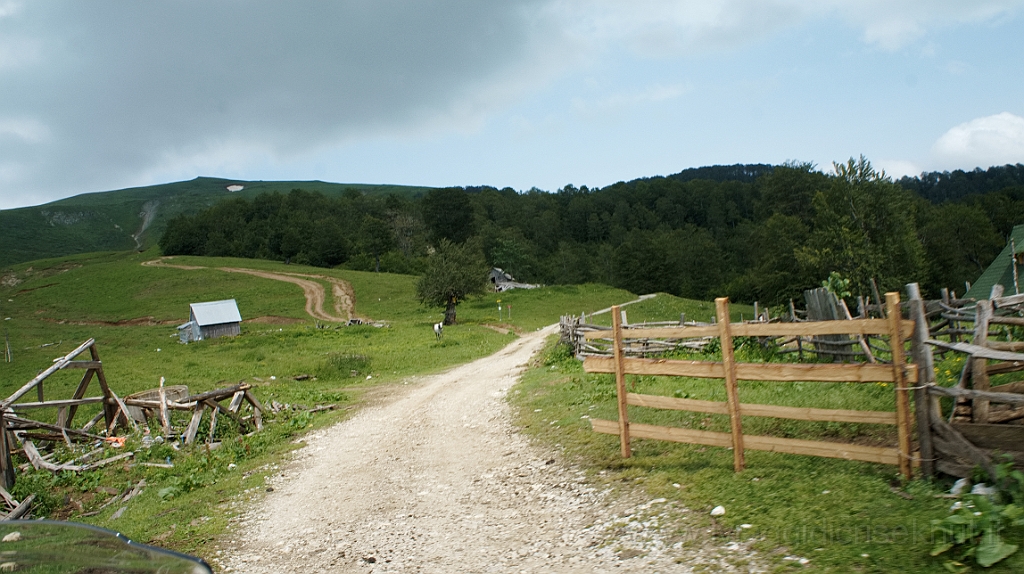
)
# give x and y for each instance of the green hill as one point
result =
(134, 218)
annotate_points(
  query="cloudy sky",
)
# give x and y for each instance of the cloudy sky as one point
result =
(99, 95)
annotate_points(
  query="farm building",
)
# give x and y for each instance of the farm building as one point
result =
(1007, 269)
(211, 320)
(503, 281)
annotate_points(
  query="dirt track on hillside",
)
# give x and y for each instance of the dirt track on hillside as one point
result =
(435, 478)
(316, 295)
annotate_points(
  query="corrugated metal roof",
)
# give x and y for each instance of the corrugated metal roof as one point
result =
(216, 312)
(1001, 270)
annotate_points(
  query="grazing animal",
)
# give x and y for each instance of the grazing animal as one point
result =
(438, 328)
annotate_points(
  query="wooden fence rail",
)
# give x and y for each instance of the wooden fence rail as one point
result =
(898, 372)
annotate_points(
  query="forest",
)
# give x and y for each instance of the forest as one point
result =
(751, 232)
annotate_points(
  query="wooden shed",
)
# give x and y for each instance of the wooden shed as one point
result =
(211, 320)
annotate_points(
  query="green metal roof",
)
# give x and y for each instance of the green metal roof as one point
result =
(1001, 270)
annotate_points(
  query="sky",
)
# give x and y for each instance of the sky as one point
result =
(102, 95)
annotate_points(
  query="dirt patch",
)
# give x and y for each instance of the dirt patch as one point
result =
(274, 320)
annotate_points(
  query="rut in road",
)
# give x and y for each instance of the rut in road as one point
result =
(435, 479)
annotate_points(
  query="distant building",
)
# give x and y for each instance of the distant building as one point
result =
(211, 320)
(502, 281)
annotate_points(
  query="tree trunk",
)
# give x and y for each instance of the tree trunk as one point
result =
(449, 312)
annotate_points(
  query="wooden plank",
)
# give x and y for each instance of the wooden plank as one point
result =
(881, 455)
(977, 351)
(193, 425)
(57, 403)
(257, 409)
(620, 383)
(979, 372)
(57, 365)
(802, 329)
(672, 403)
(165, 420)
(81, 365)
(1001, 437)
(124, 411)
(673, 434)
(782, 372)
(218, 394)
(925, 376)
(236, 401)
(1014, 387)
(1008, 398)
(895, 318)
(822, 415)
(753, 410)
(731, 390)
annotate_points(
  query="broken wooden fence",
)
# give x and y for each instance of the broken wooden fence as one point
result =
(61, 429)
(898, 372)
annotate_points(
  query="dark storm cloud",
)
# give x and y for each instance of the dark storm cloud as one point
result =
(95, 92)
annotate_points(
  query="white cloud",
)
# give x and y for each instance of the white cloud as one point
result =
(897, 168)
(982, 142)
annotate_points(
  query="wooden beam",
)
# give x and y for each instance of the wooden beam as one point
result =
(803, 329)
(922, 355)
(1007, 398)
(620, 383)
(895, 318)
(782, 372)
(56, 366)
(82, 365)
(876, 454)
(977, 351)
(57, 403)
(193, 425)
(731, 391)
(753, 410)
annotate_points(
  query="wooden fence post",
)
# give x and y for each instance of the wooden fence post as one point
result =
(979, 371)
(892, 304)
(925, 376)
(732, 392)
(620, 382)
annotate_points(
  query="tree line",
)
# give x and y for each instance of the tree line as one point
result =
(751, 232)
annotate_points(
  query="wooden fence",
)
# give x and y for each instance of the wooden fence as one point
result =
(898, 372)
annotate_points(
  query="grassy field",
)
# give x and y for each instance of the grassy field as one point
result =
(49, 307)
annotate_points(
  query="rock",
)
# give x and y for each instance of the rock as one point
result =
(718, 511)
(13, 537)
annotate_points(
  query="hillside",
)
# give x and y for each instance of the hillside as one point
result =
(134, 218)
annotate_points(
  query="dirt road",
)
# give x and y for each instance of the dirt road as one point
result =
(435, 479)
(316, 295)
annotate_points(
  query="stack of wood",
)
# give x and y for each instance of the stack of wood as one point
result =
(161, 408)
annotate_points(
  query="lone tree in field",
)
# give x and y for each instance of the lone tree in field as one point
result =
(453, 272)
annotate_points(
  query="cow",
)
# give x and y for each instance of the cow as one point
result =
(438, 327)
